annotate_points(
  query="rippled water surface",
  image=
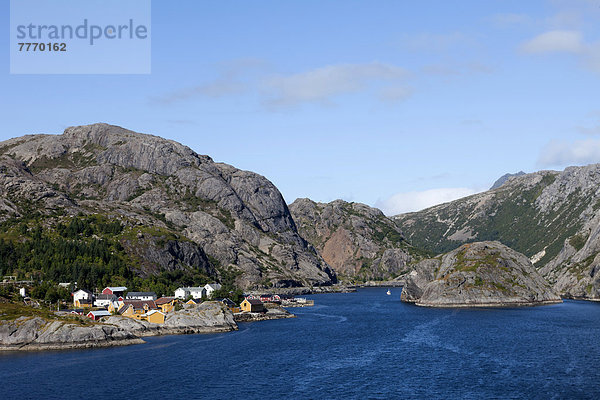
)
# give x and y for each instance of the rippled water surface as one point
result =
(357, 345)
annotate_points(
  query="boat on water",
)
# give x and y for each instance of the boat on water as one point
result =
(389, 292)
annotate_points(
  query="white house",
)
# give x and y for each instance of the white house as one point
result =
(103, 300)
(195, 292)
(182, 293)
(22, 292)
(82, 297)
(82, 294)
(210, 288)
(148, 296)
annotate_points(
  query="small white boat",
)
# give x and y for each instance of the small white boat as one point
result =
(388, 292)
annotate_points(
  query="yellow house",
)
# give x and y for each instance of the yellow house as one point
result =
(127, 311)
(166, 304)
(252, 305)
(154, 316)
(82, 303)
(136, 308)
(114, 306)
(194, 301)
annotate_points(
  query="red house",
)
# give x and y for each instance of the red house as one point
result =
(116, 290)
(96, 315)
(270, 298)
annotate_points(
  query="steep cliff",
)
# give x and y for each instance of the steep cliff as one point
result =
(357, 241)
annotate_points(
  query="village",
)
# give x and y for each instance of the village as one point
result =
(147, 306)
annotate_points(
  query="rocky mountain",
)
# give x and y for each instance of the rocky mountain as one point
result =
(176, 210)
(551, 217)
(505, 178)
(359, 242)
(479, 274)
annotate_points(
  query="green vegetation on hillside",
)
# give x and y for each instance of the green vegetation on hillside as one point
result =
(512, 218)
(82, 249)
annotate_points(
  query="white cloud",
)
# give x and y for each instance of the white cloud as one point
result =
(595, 130)
(571, 42)
(232, 79)
(218, 88)
(415, 201)
(579, 152)
(555, 42)
(322, 84)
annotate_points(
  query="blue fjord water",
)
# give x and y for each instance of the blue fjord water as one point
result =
(363, 345)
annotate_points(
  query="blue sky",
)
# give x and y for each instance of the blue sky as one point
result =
(397, 104)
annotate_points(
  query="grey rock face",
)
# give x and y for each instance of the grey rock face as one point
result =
(479, 274)
(169, 256)
(236, 217)
(575, 271)
(358, 241)
(38, 334)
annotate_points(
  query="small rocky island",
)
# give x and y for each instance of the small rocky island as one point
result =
(483, 274)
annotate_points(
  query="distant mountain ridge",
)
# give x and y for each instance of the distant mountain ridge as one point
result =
(505, 178)
(552, 217)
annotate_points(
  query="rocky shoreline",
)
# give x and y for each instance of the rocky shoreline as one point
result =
(393, 283)
(303, 290)
(273, 312)
(496, 304)
(36, 333)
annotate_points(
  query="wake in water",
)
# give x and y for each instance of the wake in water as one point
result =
(337, 318)
(425, 335)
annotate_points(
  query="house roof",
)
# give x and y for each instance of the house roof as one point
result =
(124, 308)
(227, 302)
(100, 313)
(214, 286)
(116, 288)
(83, 290)
(254, 302)
(153, 312)
(192, 289)
(102, 296)
(139, 304)
(131, 294)
(164, 300)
